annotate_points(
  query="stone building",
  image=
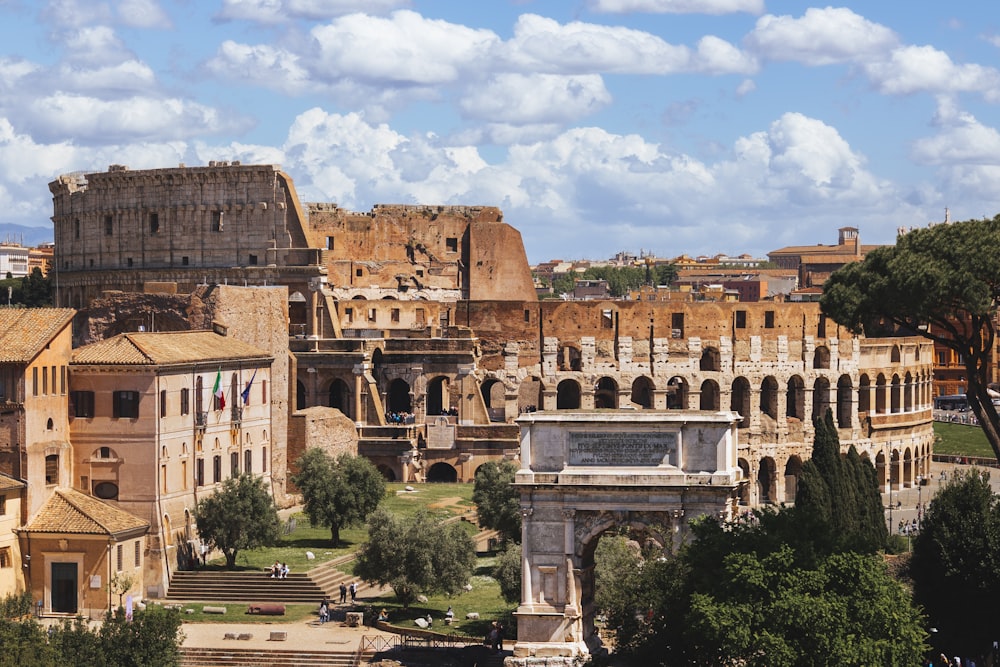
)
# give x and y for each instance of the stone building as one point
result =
(11, 560)
(151, 436)
(421, 325)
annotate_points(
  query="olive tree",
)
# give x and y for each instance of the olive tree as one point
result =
(338, 491)
(240, 515)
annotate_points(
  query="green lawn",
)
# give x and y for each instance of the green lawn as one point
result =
(236, 612)
(441, 500)
(960, 440)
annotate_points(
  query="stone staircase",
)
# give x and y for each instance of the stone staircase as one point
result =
(246, 657)
(243, 587)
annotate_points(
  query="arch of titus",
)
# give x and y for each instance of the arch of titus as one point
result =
(585, 472)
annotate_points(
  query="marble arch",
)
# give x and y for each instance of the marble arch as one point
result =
(586, 472)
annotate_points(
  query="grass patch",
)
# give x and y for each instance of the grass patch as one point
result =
(484, 599)
(440, 500)
(961, 440)
(236, 612)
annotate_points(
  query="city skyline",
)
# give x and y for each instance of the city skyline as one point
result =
(671, 126)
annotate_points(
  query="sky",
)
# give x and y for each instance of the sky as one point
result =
(673, 127)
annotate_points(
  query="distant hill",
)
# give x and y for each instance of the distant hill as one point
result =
(26, 236)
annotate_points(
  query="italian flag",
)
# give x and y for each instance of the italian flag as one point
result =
(217, 390)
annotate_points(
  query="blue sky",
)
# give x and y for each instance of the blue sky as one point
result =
(674, 126)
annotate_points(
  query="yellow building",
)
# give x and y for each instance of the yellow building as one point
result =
(11, 566)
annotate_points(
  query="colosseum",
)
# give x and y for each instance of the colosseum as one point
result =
(421, 325)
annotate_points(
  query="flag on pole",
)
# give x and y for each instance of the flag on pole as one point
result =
(246, 391)
(220, 395)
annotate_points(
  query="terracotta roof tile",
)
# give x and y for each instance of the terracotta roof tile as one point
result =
(24, 332)
(7, 483)
(69, 511)
(162, 349)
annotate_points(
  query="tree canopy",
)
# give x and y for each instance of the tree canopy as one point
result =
(620, 279)
(240, 515)
(936, 282)
(498, 501)
(955, 565)
(338, 492)
(419, 556)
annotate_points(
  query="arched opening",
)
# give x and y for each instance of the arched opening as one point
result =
(442, 472)
(388, 474)
(399, 396)
(845, 395)
(821, 398)
(710, 360)
(677, 393)
(769, 397)
(908, 393)
(766, 473)
(740, 400)
(569, 358)
(709, 396)
(793, 469)
(438, 400)
(745, 486)
(864, 394)
(821, 357)
(340, 397)
(895, 394)
(298, 314)
(880, 394)
(495, 396)
(606, 393)
(642, 392)
(530, 395)
(568, 395)
(300, 395)
(795, 399)
(895, 355)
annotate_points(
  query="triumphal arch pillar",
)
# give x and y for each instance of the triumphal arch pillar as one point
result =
(586, 472)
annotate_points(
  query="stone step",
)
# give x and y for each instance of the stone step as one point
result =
(235, 657)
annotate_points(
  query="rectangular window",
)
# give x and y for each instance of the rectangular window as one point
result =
(329, 243)
(199, 472)
(234, 464)
(451, 243)
(527, 315)
(163, 478)
(109, 225)
(741, 319)
(52, 469)
(942, 358)
(421, 318)
(247, 461)
(62, 380)
(163, 402)
(263, 459)
(394, 315)
(154, 223)
(358, 272)
(126, 405)
(34, 381)
(3, 505)
(769, 319)
(138, 553)
(253, 260)
(216, 221)
(5, 559)
(45, 380)
(677, 325)
(607, 319)
(128, 262)
(52, 374)
(263, 392)
(184, 475)
(349, 314)
(372, 314)
(216, 469)
(821, 329)
(184, 261)
(185, 401)
(119, 556)
(81, 403)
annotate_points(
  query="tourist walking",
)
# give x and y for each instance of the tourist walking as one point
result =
(343, 593)
(354, 591)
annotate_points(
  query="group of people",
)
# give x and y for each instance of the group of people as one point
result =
(345, 589)
(399, 418)
(279, 570)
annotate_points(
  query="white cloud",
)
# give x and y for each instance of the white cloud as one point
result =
(13, 71)
(537, 98)
(912, 69)
(678, 6)
(96, 45)
(262, 64)
(820, 37)
(405, 48)
(143, 14)
(963, 140)
(89, 119)
(320, 9)
(746, 87)
(130, 75)
(261, 11)
(541, 44)
(76, 12)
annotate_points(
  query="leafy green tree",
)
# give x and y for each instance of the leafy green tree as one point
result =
(75, 638)
(564, 282)
(240, 515)
(619, 595)
(507, 572)
(34, 291)
(24, 643)
(935, 282)
(419, 556)
(498, 501)
(745, 594)
(666, 274)
(955, 565)
(149, 639)
(338, 492)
